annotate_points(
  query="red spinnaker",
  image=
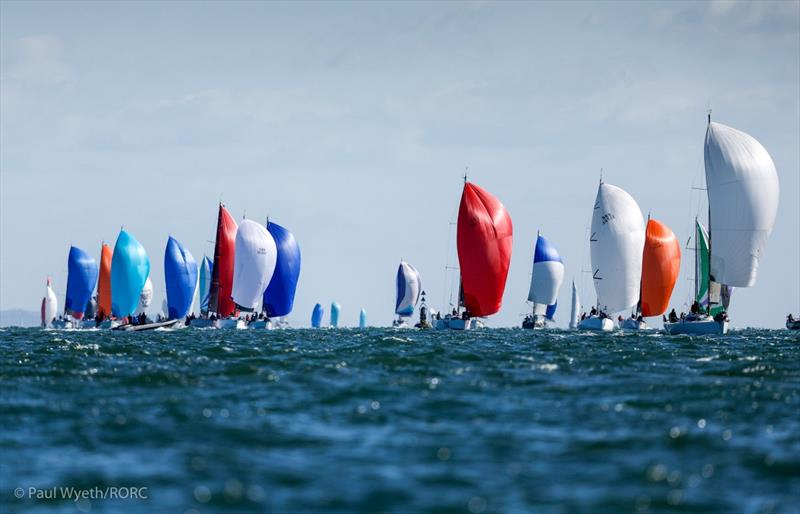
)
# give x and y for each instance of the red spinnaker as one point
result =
(484, 237)
(661, 265)
(104, 282)
(220, 300)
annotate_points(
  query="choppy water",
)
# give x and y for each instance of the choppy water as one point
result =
(494, 421)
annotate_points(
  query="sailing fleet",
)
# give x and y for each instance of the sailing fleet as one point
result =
(252, 280)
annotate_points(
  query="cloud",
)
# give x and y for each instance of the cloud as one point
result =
(39, 60)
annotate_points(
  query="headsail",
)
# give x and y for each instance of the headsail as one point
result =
(254, 264)
(701, 265)
(484, 242)
(205, 283)
(743, 192)
(104, 282)
(279, 297)
(317, 315)
(180, 276)
(661, 265)
(220, 300)
(546, 277)
(617, 243)
(574, 314)
(130, 268)
(80, 281)
(409, 287)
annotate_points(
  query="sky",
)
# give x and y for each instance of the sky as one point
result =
(352, 125)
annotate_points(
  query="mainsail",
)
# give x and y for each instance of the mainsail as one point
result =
(574, 314)
(49, 305)
(546, 277)
(104, 283)
(409, 287)
(317, 315)
(743, 192)
(712, 296)
(145, 297)
(81, 280)
(130, 268)
(254, 264)
(180, 276)
(661, 265)
(484, 242)
(279, 297)
(617, 243)
(205, 283)
(220, 300)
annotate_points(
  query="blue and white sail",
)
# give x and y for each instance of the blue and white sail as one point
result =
(279, 297)
(362, 318)
(180, 275)
(205, 283)
(409, 287)
(317, 315)
(335, 310)
(254, 264)
(130, 268)
(546, 278)
(81, 280)
(550, 313)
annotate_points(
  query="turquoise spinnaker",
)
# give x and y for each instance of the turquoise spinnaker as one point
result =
(205, 283)
(130, 268)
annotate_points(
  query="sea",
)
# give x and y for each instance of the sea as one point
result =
(398, 421)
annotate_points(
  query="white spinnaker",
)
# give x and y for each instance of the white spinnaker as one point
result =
(253, 265)
(546, 280)
(412, 289)
(50, 304)
(743, 195)
(617, 244)
(576, 308)
(145, 297)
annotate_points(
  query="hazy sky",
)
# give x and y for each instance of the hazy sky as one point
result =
(351, 124)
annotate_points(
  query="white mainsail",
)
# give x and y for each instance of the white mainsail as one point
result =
(254, 264)
(576, 308)
(49, 305)
(145, 297)
(743, 195)
(617, 244)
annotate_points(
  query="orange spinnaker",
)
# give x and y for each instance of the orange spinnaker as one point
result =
(104, 284)
(661, 265)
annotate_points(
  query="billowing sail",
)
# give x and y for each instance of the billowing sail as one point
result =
(91, 309)
(335, 309)
(743, 191)
(145, 297)
(616, 243)
(317, 315)
(220, 300)
(180, 275)
(205, 283)
(550, 312)
(130, 268)
(484, 242)
(574, 313)
(362, 318)
(409, 287)
(547, 276)
(104, 283)
(81, 280)
(254, 264)
(279, 296)
(49, 305)
(661, 265)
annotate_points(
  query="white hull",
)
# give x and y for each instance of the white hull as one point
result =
(697, 327)
(596, 324)
(399, 323)
(261, 324)
(633, 324)
(231, 324)
(61, 324)
(204, 323)
(457, 324)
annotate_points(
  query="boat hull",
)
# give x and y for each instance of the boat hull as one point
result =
(457, 324)
(109, 324)
(633, 324)
(595, 324)
(793, 325)
(204, 323)
(231, 324)
(61, 324)
(147, 326)
(261, 324)
(696, 327)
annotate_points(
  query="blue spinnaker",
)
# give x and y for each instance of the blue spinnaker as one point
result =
(130, 268)
(80, 281)
(316, 316)
(362, 319)
(205, 283)
(279, 295)
(180, 275)
(551, 311)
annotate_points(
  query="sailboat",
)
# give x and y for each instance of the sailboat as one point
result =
(743, 190)
(180, 276)
(49, 306)
(220, 304)
(254, 265)
(546, 279)
(362, 318)
(575, 311)
(316, 316)
(335, 310)
(484, 242)
(661, 265)
(104, 287)
(81, 280)
(130, 269)
(205, 285)
(278, 299)
(616, 244)
(409, 286)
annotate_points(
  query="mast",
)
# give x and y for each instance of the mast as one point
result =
(710, 277)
